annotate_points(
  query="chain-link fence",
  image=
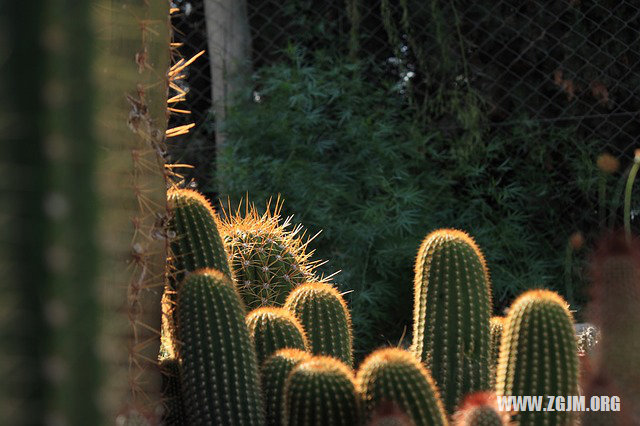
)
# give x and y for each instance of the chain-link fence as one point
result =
(563, 72)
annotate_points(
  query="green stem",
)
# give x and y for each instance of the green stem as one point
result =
(627, 197)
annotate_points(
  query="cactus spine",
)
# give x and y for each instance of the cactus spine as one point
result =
(319, 392)
(268, 259)
(393, 375)
(219, 366)
(538, 354)
(325, 317)
(480, 409)
(452, 305)
(274, 328)
(275, 371)
(496, 329)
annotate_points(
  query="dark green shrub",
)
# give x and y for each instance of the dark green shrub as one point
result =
(349, 158)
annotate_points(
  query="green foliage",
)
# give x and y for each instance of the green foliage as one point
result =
(350, 159)
(325, 318)
(219, 370)
(396, 376)
(272, 329)
(319, 392)
(539, 354)
(275, 371)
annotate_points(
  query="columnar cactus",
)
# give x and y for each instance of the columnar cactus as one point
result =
(325, 317)
(496, 329)
(268, 260)
(274, 328)
(196, 242)
(396, 376)
(480, 409)
(614, 310)
(219, 367)
(538, 354)
(275, 371)
(452, 307)
(319, 392)
(174, 411)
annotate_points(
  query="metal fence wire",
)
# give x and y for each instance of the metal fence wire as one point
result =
(560, 63)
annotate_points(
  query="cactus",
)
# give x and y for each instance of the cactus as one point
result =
(538, 354)
(452, 305)
(393, 375)
(267, 259)
(480, 409)
(174, 411)
(614, 311)
(388, 414)
(219, 366)
(496, 329)
(275, 371)
(274, 328)
(325, 317)
(321, 391)
(85, 185)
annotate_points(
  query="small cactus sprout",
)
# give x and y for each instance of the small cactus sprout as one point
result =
(275, 371)
(614, 311)
(452, 308)
(496, 328)
(274, 328)
(326, 319)
(394, 375)
(219, 368)
(538, 354)
(267, 258)
(319, 392)
(480, 409)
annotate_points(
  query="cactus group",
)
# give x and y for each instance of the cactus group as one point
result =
(321, 391)
(452, 308)
(539, 354)
(219, 369)
(274, 328)
(325, 318)
(395, 376)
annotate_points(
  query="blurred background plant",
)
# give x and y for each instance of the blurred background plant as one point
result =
(379, 122)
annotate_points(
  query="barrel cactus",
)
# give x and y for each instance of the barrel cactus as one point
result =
(319, 392)
(268, 259)
(219, 371)
(275, 328)
(539, 354)
(394, 375)
(275, 371)
(452, 308)
(326, 319)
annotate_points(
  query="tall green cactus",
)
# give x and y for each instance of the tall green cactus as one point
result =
(86, 185)
(174, 410)
(480, 409)
(496, 329)
(275, 371)
(326, 319)
(319, 392)
(275, 328)
(539, 354)
(614, 310)
(393, 375)
(452, 307)
(219, 367)
(268, 259)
